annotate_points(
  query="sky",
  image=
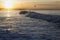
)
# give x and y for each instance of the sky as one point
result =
(39, 0)
(21, 1)
(17, 2)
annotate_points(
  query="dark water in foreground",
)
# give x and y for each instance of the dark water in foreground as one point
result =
(28, 28)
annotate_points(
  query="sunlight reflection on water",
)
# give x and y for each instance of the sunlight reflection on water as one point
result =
(8, 18)
(25, 25)
(9, 13)
(14, 24)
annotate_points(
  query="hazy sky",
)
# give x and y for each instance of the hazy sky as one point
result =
(39, 0)
(22, 1)
(34, 0)
(16, 2)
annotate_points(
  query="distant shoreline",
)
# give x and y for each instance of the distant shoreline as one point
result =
(32, 9)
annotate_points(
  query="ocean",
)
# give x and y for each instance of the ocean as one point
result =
(16, 12)
(15, 26)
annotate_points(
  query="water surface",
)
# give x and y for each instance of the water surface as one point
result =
(19, 27)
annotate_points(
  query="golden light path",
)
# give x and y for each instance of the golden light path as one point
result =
(8, 4)
(8, 13)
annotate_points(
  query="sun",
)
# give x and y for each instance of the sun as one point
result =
(8, 4)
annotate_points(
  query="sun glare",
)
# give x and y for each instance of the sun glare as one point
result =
(8, 4)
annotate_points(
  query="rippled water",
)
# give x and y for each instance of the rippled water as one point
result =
(15, 23)
(21, 24)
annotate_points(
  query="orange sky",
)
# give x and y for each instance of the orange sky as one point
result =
(18, 3)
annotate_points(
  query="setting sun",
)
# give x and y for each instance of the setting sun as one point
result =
(8, 4)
